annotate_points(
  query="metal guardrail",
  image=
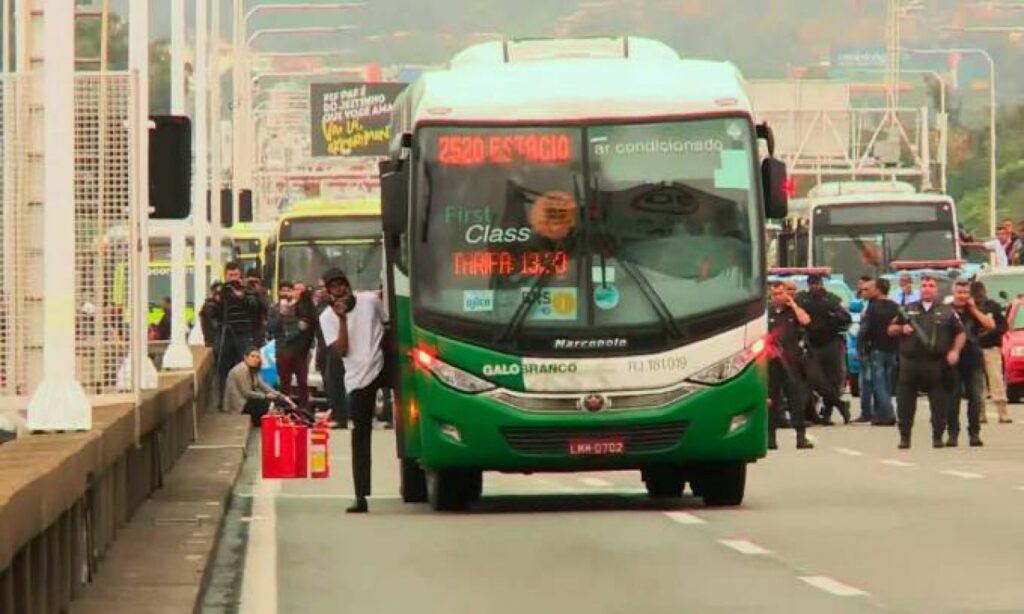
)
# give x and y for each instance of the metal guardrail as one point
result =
(64, 497)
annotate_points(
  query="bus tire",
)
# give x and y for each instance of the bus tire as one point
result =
(474, 484)
(721, 484)
(448, 489)
(413, 482)
(664, 482)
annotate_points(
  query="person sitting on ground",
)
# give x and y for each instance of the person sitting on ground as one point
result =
(245, 392)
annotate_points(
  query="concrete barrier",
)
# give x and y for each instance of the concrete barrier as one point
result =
(64, 497)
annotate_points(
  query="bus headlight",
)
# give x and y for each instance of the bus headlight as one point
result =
(452, 376)
(729, 368)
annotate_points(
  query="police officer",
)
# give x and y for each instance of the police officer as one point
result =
(785, 365)
(932, 337)
(826, 365)
(969, 373)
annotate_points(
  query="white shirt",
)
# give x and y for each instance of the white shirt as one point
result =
(365, 358)
(997, 248)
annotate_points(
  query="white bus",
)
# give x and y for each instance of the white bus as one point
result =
(576, 268)
(861, 228)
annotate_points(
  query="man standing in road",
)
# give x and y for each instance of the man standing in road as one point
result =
(969, 373)
(865, 289)
(992, 352)
(785, 365)
(931, 337)
(353, 328)
(880, 349)
(331, 366)
(241, 311)
(826, 354)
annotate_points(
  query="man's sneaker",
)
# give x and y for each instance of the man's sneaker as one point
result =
(976, 441)
(952, 442)
(863, 420)
(904, 443)
(889, 422)
(938, 443)
(359, 507)
(802, 443)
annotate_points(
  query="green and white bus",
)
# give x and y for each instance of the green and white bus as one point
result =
(575, 268)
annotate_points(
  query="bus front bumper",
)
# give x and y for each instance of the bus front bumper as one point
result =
(727, 422)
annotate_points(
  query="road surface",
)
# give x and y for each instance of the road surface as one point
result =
(852, 526)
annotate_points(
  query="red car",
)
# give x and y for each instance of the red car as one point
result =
(1013, 352)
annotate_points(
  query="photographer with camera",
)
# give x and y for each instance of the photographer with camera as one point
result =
(293, 326)
(353, 328)
(240, 310)
(826, 364)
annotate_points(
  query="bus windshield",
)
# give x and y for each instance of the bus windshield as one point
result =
(864, 239)
(360, 260)
(630, 228)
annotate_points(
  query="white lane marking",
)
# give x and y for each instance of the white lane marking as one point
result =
(892, 462)
(259, 580)
(1020, 488)
(743, 546)
(832, 586)
(685, 518)
(596, 482)
(848, 452)
(967, 475)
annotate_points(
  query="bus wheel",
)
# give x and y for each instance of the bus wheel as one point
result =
(664, 482)
(720, 484)
(449, 489)
(413, 482)
(474, 485)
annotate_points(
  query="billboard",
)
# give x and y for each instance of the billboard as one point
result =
(352, 119)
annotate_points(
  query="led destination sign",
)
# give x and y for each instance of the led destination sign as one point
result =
(477, 149)
(490, 263)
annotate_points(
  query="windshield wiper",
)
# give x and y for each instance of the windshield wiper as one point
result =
(533, 294)
(652, 296)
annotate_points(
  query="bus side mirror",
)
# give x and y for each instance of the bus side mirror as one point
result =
(773, 178)
(394, 195)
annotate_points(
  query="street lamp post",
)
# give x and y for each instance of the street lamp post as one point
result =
(993, 150)
(241, 116)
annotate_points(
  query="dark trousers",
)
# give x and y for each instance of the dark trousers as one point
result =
(968, 383)
(826, 369)
(932, 376)
(786, 388)
(296, 365)
(364, 401)
(256, 408)
(229, 353)
(334, 387)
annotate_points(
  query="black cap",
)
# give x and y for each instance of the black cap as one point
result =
(334, 274)
(815, 278)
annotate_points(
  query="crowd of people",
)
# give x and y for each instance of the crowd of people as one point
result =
(907, 344)
(239, 319)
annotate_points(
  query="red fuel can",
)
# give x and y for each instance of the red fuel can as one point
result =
(285, 447)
